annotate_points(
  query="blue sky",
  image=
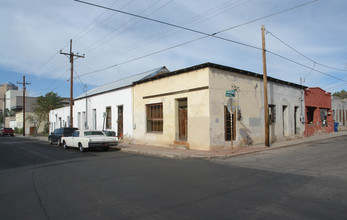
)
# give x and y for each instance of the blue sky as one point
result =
(33, 33)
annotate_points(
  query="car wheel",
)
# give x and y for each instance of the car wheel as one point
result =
(65, 145)
(81, 147)
(59, 142)
(50, 142)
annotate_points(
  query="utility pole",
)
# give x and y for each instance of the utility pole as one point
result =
(24, 89)
(71, 56)
(266, 107)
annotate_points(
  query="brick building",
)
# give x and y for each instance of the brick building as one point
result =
(319, 118)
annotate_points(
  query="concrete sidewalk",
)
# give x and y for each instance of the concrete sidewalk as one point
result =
(225, 153)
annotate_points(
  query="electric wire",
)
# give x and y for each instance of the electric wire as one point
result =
(116, 29)
(77, 37)
(303, 65)
(141, 57)
(336, 86)
(218, 10)
(315, 62)
(200, 38)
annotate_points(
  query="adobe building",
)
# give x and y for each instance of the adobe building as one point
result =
(319, 117)
(189, 108)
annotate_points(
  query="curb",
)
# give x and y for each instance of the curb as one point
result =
(182, 155)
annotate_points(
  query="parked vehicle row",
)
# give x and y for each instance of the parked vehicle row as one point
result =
(6, 131)
(83, 139)
(57, 134)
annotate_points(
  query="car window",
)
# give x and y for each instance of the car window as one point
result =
(110, 133)
(76, 134)
(93, 133)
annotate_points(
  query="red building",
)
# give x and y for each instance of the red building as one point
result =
(318, 118)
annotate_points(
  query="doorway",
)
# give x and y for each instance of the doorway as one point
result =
(229, 125)
(120, 122)
(284, 119)
(295, 119)
(182, 119)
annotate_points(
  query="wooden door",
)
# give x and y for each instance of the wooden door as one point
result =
(182, 120)
(120, 122)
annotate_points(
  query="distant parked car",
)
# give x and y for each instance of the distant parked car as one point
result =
(90, 139)
(110, 133)
(55, 136)
(6, 131)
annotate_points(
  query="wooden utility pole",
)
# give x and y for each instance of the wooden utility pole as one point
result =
(71, 56)
(266, 106)
(24, 89)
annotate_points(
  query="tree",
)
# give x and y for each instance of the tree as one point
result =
(342, 94)
(46, 103)
(8, 113)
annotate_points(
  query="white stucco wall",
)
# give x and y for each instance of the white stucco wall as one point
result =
(98, 103)
(339, 110)
(55, 116)
(288, 97)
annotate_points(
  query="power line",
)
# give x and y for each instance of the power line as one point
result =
(315, 62)
(212, 11)
(174, 25)
(77, 37)
(100, 23)
(300, 64)
(218, 10)
(118, 28)
(200, 38)
(147, 55)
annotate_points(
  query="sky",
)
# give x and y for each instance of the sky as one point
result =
(305, 44)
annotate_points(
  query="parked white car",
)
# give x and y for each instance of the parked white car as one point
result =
(88, 140)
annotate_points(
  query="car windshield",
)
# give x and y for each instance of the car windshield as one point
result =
(93, 133)
(8, 129)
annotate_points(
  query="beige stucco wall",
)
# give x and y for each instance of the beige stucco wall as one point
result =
(248, 99)
(206, 109)
(198, 109)
(28, 124)
(250, 129)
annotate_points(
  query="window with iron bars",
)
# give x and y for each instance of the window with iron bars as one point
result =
(154, 117)
(272, 114)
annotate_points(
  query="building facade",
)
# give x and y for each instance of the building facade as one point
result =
(106, 107)
(189, 107)
(339, 109)
(319, 117)
(3, 89)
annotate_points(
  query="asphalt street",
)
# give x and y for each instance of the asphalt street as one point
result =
(41, 181)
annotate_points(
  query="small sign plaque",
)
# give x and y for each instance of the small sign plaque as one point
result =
(230, 93)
